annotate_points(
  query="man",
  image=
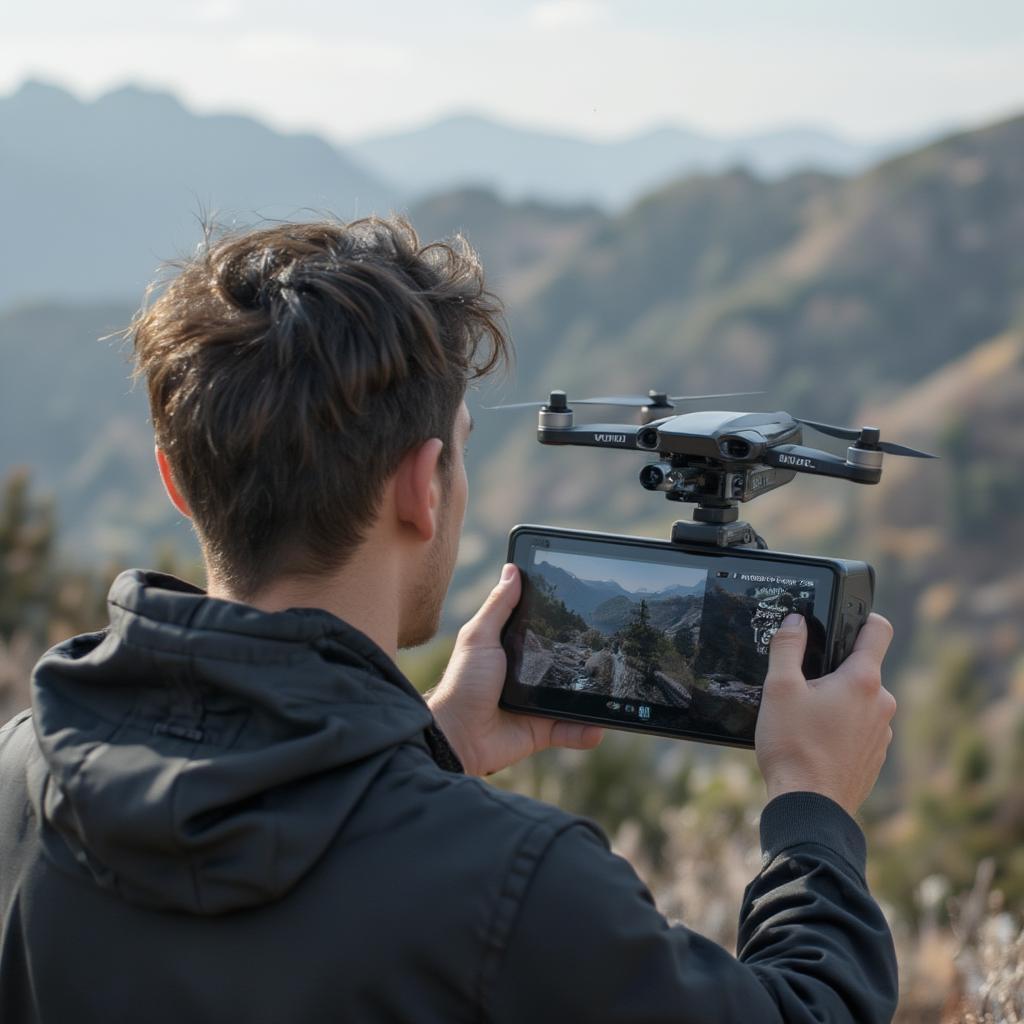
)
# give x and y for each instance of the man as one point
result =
(231, 806)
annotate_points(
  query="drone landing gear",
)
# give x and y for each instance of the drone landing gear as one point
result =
(717, 526)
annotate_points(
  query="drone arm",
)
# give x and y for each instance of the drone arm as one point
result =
(594, 435)
(802, 459)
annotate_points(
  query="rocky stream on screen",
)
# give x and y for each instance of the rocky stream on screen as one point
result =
(687, 647)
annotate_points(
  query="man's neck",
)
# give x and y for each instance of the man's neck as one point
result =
(364, 594)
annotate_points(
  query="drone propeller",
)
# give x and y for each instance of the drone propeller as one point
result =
(516, 405)
(653, 399)
(866, 437)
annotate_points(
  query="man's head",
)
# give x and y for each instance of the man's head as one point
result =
(295, 373)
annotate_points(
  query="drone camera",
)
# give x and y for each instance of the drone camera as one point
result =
(734, 447)
(658, 476)
(647, 439)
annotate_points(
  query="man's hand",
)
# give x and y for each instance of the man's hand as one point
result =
(825, 735)
(465, 703)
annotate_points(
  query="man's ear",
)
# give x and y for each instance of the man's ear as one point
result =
(417, 488)
(169, 485)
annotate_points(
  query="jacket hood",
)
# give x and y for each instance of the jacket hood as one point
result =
(201, 755)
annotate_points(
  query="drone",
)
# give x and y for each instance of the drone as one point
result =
(716, 460)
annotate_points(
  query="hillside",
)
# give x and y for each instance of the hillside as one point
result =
(119, 184)
(582, 596)
(837, 297)
(905, 266)
(829, 295)
(665, 612)
(523, 244)
(100, 193)
(71, 416)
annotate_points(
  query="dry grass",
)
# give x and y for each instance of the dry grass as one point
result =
(16, 661)
(962, 963)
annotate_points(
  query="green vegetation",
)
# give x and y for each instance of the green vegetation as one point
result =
(651, 651)
(643, 643)
(684, 644)
(45, 597)
(552, 618)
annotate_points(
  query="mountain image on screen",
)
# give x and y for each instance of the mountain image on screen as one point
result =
(673, 645)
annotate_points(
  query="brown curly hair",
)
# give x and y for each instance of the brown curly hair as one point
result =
(290, 368)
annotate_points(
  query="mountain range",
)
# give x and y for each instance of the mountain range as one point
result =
(608, 606)
(521, 162)
(580, 596)
(895, 296)
(834, 296)
(666, 613)
(95, 195)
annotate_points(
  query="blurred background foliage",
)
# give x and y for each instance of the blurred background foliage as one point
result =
(894, 296)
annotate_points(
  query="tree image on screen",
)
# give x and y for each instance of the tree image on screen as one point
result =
(649, 635)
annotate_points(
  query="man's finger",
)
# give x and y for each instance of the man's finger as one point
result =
(786, 654)
(485, 626)
(874, 637)
(576, 735)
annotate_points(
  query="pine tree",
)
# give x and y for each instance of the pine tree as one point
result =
(683, 643)
(26, 550)
(640, 640)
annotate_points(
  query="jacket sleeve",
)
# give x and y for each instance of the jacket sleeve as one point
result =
(589, 944)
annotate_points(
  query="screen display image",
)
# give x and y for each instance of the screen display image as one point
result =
(670, 640)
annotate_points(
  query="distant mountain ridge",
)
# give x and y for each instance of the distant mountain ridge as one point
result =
(830, 294)
(519, 162)
(609, 606)
(95, 195)
(581, 596)
(664, 613)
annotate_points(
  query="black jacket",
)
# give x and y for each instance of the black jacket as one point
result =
(218, 814)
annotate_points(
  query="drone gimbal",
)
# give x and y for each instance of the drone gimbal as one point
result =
(716, 460)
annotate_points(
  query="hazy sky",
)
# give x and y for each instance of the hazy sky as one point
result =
(633, 576)
(872, 69)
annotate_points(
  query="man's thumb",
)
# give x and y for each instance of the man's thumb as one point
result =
(485, 626)
(786, 655)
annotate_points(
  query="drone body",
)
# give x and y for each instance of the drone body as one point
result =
(716, 459)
